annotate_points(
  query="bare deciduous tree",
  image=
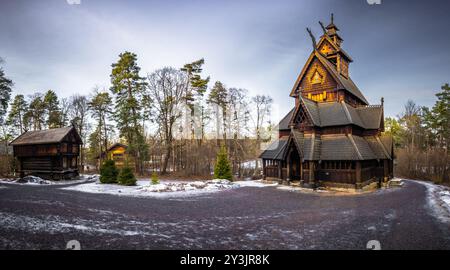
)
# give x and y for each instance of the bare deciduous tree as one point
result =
(167, 87)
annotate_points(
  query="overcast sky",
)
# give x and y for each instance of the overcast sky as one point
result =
(400, 48)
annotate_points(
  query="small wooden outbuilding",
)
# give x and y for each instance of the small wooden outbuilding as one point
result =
(50, 154)
(119, 153)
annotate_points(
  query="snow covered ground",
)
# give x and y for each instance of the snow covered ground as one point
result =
(254, 183)
(166, 188)
(438, 200)
(34, 180)
(300, 189)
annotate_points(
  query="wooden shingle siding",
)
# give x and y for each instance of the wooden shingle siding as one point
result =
(327, 84)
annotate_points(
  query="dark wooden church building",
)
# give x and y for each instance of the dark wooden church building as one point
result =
(50, 154)
(332, 137)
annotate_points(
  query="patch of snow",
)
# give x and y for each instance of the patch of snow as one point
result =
(166, 189)
(254, 183)
(438, 200)
(300, 189)
(251, 164)
(34, 180)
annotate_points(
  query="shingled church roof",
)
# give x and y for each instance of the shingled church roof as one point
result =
(276, 149)
(325, 114)
(284, 123)
(343, 82)
(332, 147)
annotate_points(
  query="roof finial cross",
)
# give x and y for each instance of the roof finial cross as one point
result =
(332, 18)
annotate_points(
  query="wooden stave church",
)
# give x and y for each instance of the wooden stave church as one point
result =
(332, 137)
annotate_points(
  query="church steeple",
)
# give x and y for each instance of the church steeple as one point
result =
(332, 32)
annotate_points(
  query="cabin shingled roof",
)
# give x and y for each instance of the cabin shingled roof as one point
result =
(54, 135)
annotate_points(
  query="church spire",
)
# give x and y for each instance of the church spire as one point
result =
(332, 32)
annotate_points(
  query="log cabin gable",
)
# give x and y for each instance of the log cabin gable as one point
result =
(72, 137)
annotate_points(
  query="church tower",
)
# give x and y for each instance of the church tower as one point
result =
(332, 137)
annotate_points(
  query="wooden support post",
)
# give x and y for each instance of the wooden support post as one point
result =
(302, 181)
(358, 175)
(264, 169)
(279, 170)
(21, 172)
(385, 170)
(288, 167)
(312, 179)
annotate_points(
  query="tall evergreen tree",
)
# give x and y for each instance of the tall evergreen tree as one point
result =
(195, 89)
(17, 114)
(219, 96)
(52, 109)
(441, 112)
(36, 112)
(128, 86)
(5, 94)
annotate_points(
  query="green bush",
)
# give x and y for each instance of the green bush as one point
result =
(108, 172)
(126, 177)
(154, 178)
(222, 170)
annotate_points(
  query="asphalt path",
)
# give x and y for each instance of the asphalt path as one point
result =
(47, 217)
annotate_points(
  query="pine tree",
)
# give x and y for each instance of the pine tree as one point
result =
(52, 109)
(154, 178)
(36, 112)
(108, 172)
(222, 170)
(17, 114)
(126, 177)
(128, 87)
(441, 112)
(5, 94)
(219, 96)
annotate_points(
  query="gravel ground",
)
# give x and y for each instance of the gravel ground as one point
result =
(46, 217)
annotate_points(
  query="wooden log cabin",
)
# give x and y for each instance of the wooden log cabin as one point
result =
(332, 137)
(50, 154)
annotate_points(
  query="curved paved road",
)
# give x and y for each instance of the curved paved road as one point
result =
(46, 217)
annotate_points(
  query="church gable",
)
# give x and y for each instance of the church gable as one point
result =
(301, 117)
(326, 48)
(317, 83)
